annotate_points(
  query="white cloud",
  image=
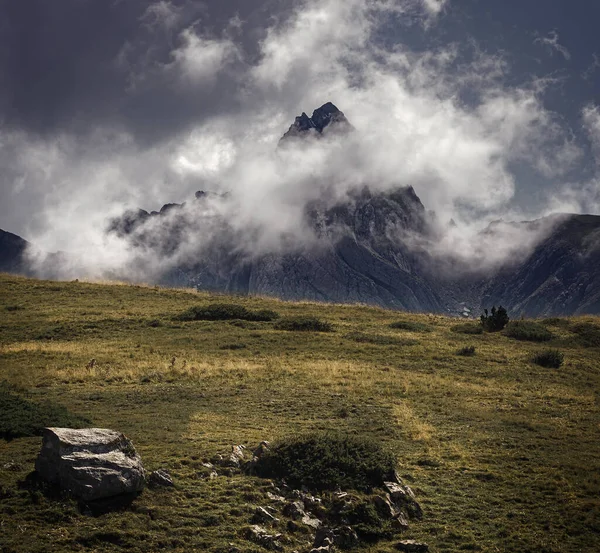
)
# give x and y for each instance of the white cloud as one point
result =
(550, 42)
(199, 60)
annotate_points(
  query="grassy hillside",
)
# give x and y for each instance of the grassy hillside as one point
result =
(503, 454)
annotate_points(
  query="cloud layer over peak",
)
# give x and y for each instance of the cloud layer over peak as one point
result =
(195, 104)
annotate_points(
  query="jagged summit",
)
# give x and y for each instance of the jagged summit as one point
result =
(327, 116)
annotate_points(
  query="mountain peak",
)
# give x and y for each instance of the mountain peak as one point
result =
(327, 116)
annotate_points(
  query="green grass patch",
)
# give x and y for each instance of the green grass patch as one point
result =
(410, 326)
(468, 328)
(328, 461)
(379, 339)
(303, 324)
(528, 331)
(588, 333)
(20, 418)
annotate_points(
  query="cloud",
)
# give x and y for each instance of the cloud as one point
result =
(447, 121)
(199, 60)
(593, 67)
(550, 42)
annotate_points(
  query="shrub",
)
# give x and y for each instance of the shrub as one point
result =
(551, 359)
(303, 324)
(264, 315)
(225, 312)
(411, 327)
(20, 417)
(328, 461)
(232, 347)
(528, 331)
(589, 334)
(467, 351)
(378, 339)
(496, 320)
(468, 328)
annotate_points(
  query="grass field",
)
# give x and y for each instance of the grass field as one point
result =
(503, 454)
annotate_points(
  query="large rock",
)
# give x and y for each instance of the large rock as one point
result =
(91, 463)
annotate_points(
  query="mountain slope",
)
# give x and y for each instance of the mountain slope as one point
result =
(561, 276)
(12, 253)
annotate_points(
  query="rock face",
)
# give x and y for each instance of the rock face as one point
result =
(326, 118)
(91, 463)
(560, 277)
(12, 253)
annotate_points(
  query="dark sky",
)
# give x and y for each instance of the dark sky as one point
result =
(71, 67)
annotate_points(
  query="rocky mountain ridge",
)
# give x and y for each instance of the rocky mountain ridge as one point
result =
(361, 249)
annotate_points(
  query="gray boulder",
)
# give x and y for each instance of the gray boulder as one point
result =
(90, 463)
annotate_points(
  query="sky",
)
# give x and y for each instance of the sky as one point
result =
(488, 109)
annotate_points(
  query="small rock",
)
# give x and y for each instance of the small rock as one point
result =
(343, 537)
(208, 465)
(262, 448)
(236, 456)
(412, 546)
(214, 474)
(160, 478)
(384, 506)
(314, 523)
(294, 510)
(262, 515)
(276, 498)
(260, 536)
(403, 497)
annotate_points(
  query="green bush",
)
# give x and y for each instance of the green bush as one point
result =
(328, 461)
(20, 417)
(551, 359)
(226, 312)
(303, 324)
(494, 321)
(467, 351)
(378, 339)
(528, 331)
(411, 327)
(589, 334)
(468, 328)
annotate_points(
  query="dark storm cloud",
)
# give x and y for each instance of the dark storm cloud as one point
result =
(70, 64)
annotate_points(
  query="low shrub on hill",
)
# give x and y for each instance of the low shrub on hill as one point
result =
(303, 324)
(328, 461)
(410, 326)
(551, 359)
(528, 331)
(468, 328)
(21, 418)
(467, 351)
(226, 312)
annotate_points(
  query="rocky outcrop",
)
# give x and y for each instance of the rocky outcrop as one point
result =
(328, 118)
(90, 463)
